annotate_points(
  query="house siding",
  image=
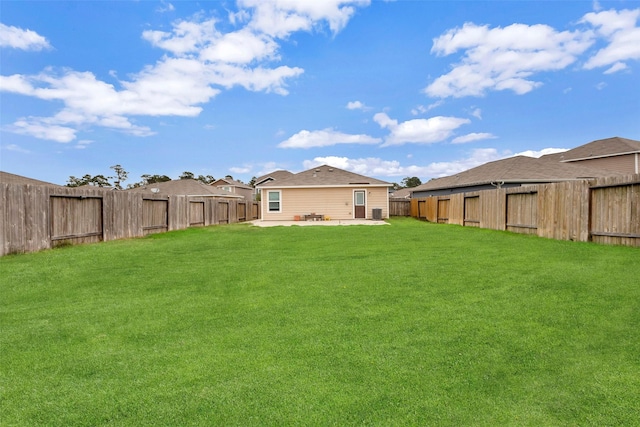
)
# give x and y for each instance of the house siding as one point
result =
(335, 203)
(626, 164)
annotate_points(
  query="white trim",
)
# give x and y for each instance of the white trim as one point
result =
(279, 201)
(353, 195)
(637, 162)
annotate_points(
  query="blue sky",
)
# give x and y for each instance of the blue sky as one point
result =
(388, 89)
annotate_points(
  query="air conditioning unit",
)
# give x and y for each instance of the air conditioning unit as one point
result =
(377, 213)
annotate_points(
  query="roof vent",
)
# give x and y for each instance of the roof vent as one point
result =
(330, 169)
(317, 170)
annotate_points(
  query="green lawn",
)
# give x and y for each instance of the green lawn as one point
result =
(407, 324)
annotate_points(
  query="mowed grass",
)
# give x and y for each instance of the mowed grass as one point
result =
(407, 324)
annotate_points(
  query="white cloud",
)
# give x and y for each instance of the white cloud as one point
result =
(477, 113)
(18, 38)
(421, 109)
(356, 105)
(82, 144)
(620, 30)
(472, 137)
(477, 157)
(325, 138)
(503, 58)
(618, 66)
(43, 130)
(279, 18)
(540, 153)
(200, 62)
(373, 166)
(420, 131)
(15, 148)
(240, 170)
(165, 7)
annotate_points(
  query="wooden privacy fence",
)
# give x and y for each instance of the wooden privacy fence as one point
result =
(34, 217)
(605, 210)
(399, 207)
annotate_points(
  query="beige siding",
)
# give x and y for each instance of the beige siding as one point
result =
(335, 203)
(627, 164)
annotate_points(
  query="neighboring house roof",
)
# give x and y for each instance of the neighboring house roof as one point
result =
(10, 178)
(521, 169)
(230, 182)
(608, 147)
(184, 187)
(402, 193)
(279, 174)
(325, 176)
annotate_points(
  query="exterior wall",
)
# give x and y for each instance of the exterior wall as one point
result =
(626, 164)
(335, 203)
(247, 193)
(457, 190)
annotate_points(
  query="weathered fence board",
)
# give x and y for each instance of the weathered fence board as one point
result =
(471, 216)
(604, 210)
(399, 207)
(34, 217)
(155, 216)
(196, 213)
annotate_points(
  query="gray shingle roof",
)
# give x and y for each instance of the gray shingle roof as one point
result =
(273, 176)
(602, 148)
(325, 176)
(184, 187)
(10, 178)
(516, 169)
(230, 182)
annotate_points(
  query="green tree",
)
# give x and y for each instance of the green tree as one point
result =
(95, 181)
(121, 176)
(187, 175)
(149, 179)
(208, 179)
(410, 182)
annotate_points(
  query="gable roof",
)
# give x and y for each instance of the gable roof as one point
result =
(602, 148)
(516, 169)
(279, 174)
(184, 187)
(230, 182)
(326, 176)
(401, 193)
(10, 178)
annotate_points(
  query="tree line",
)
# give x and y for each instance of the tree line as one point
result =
(120, 175)
(116, 181)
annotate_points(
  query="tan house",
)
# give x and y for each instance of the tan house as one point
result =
(279, 174)
(322, 193)
(232, 186)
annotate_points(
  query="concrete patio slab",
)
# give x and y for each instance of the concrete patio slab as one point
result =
(260, 223)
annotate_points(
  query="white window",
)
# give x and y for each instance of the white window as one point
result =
(274, 201)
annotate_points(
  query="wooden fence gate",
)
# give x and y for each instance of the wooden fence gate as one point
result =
(76, 219)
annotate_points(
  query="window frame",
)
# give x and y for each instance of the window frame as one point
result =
(269, 201)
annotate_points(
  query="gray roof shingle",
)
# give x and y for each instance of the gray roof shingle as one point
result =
(602, 148)
(516, 169)
(10, 178)
(326, 176)
(184, 187)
